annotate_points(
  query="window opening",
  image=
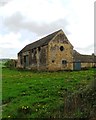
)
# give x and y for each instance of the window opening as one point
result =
(39, 48)
(53, 61)
(32, 50)
(64, 62)
(61, 48)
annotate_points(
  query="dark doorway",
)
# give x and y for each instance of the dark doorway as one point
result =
(26, 61)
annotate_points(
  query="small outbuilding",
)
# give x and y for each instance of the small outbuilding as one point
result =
(83, 61)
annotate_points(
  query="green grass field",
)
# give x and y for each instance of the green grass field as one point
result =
(2, 63)
(27, 94)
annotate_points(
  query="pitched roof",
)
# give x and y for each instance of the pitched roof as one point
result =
(83, 58)
(43, 41)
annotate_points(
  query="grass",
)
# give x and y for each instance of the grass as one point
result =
(2, 63)
(28, 94)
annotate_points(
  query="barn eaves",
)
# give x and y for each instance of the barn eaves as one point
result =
(39, 43)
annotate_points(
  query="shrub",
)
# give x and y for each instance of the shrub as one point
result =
(11, 63)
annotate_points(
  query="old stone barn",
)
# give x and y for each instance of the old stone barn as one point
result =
(53, 52)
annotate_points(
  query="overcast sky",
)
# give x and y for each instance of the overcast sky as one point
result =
(25, 21)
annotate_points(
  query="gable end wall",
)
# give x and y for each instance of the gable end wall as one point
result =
(55, 56)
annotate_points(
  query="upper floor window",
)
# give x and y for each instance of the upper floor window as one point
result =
(61, 48)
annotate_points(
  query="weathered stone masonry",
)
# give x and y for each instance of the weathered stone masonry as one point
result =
(53, 52)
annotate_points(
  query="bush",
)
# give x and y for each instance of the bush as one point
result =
(11, 63)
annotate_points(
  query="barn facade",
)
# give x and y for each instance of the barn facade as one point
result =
(52, 53)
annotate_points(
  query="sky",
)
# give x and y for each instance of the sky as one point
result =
(25, 21)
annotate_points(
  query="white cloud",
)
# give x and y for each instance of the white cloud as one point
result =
(10, 44)
(40, 11)
(41, 17)
(4, 2)
(12, 40)
(89, 49)
(43, 10)
(81, 25)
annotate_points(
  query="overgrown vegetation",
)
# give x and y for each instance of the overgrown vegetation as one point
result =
(10, 64)
(28, 94)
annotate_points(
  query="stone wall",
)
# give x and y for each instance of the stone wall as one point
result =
(86, 65)
(60, 55)
(36, 58)
(57, 55)
(20, 61)
(42, 57)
